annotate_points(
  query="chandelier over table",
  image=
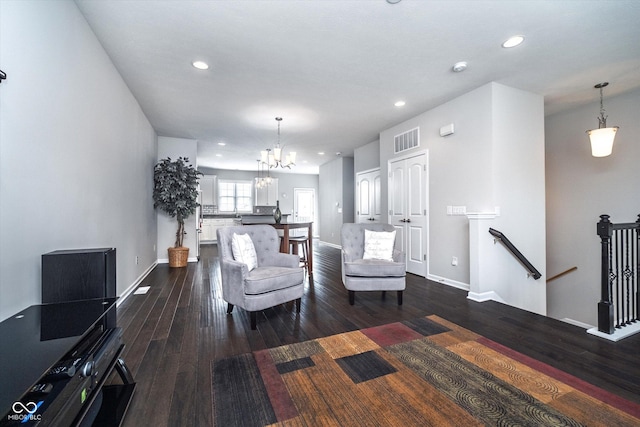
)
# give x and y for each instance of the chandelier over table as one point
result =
(275, 159)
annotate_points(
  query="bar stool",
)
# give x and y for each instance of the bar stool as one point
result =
(281, 237)
(294, 243)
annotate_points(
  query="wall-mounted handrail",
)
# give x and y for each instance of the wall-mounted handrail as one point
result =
(524, 261)
(559, 275)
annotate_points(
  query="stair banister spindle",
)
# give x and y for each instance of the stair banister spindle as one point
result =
(637, 268)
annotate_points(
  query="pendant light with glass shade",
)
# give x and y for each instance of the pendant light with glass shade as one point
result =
(263, 179)
(602, 138)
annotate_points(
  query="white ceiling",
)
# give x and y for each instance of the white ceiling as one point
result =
(333, 69)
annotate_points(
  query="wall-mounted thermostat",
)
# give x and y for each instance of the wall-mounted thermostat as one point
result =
(446, 130)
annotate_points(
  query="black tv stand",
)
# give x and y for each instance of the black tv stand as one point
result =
(115, 398)
(68, 348)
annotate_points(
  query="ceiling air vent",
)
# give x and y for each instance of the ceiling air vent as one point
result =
(407, 140)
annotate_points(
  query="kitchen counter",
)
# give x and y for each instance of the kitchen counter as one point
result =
(261, 219)
(249, 215)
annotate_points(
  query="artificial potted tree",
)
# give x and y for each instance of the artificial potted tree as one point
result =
(175, 192)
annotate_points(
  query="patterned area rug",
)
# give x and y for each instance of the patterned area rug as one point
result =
(426, 372)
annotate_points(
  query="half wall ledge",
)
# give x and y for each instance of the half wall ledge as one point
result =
(618, 334)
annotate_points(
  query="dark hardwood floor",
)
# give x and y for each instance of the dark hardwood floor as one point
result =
(175, 332)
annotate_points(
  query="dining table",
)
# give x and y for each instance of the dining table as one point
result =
(286, 226)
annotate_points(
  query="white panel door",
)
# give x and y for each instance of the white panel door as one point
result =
(376, 193)
(416, 221)
(304, 209)
(408, 197)
(368, 196)
(363, 193)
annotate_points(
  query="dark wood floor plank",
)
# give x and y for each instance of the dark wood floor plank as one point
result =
(161, 392)
(145, 376)
(137, 350)
(176, 335)
(185, 311)
(168, 311)
(204, 387)
(184, 399)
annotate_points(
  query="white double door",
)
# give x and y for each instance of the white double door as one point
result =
(408, 202)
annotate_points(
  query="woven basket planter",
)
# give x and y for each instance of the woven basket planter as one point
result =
(178, 257)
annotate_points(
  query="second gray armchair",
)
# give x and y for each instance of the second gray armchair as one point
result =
(360, 271)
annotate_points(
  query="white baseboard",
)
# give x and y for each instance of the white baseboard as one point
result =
(333, 245)
(485, 296)
(577, 323)
(450, 282)
(135, 284)
(166, 260)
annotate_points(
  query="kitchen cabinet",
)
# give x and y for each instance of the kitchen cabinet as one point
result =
(208, 186)
(210, 227)
(205, 231)
(267, 195)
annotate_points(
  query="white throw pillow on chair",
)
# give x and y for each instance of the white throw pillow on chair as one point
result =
(244, 251)
(379, 244)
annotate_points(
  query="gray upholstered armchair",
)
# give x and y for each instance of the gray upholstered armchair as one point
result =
(276, 279)
(371, 274)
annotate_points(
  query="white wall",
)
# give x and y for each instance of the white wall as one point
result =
(366, 157)
(336, 198)
(494, 158)
(167, 226)
(579, 189)
(76, 151)
(519, 191)
(459, 175)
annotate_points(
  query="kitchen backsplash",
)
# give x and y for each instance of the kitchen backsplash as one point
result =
(266, 210)
(262, 210)
(209, 209)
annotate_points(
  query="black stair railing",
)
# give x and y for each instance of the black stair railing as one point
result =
(524, 261)
(619, 300)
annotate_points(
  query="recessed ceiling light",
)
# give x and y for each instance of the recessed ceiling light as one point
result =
(321, 153)
(218, 155)
(459, 66)
(200, 65)
(513, 41)
(400, 104)
(222, 143)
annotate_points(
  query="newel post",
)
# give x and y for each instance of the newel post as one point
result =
(638, 261)
(605, 306)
